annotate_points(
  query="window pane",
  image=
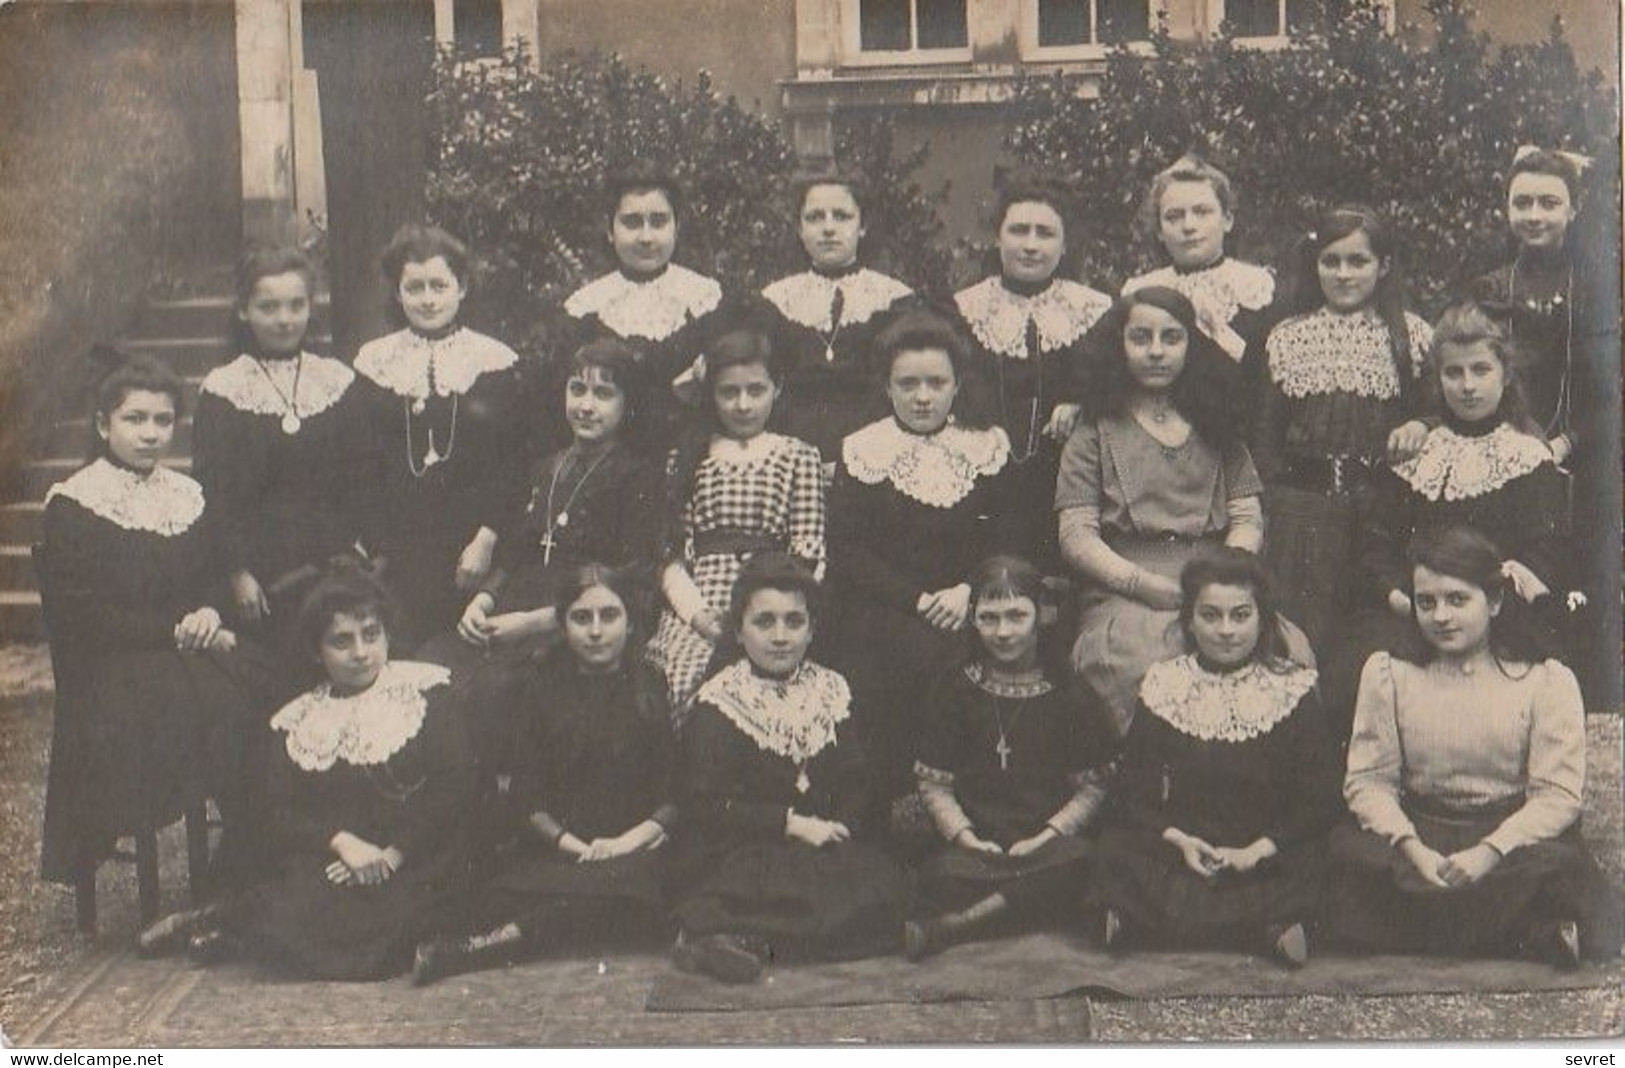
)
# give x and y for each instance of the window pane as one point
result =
(1063, 22)
(477, 26)
(1123, 20)
(883, 25)
(1253, 18)
(942, 23)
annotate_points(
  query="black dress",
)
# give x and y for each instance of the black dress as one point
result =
(390, 766)
(754, 751)
(292, 486)
(450, 418)
(595, 758)
(142, 731)
(1229, 757)
(1006, 761)
(1488, 476)
(666, 319)
(824, 328)
(1027, 357)
(908, 515)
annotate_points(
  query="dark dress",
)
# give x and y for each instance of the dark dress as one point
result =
(1006, 761)
(390, 766)
(142, 732)
(1457, 758)
(1027, 356)
(754, 751)
(1487, 476)
(824, 328)
(1559, 312)
(450, 419)
(1332, 394)
(909, 515)
(595, 758)
(287, 502)
(666, 319)
(1229, 757)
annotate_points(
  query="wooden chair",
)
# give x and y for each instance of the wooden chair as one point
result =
(67, 674)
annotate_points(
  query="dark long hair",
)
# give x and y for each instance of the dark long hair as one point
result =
(1227, 566)
(1304, 293)
(1468, 322)
(1207, 392)
(618, 362)
(1463, 553)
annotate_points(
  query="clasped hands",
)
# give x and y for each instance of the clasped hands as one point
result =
(648, 835)
(360, 863)
(201, 630)
(1209, 861)
(968, 839)
(1455, 872)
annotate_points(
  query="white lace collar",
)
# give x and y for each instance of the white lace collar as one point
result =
(165, 502)
(806, 298)
(1064, 311)
(1454, 467)
(653, 310)
(400, 362)
(244, 384)
(1218, 293)
(794, 718)
(1222, 706)
(365, 729)
(1324, 352)
(938, 469)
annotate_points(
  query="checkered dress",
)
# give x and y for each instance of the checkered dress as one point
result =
(779, 493)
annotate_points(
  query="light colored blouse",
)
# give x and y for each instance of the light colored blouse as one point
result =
(1463, 741)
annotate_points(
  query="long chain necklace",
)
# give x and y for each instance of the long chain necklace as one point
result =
(434, 455)
(1565, 300)
(290, 419)
(1032, 409)
(556, 524)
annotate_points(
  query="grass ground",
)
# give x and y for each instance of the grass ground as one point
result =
(38, 943)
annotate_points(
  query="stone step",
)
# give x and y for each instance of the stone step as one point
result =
(40, 475)
(20, 617)
(16, 568)
(22, 523)
(184, 355)
(72, 439)
(207, 317)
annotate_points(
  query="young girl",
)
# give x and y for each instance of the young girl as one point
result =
(1155, 471)
(1466, 774)
(661, 309)
(1214, 833)
(733, 489)
(1027, 326)
(1485, 466)
(1551, 301)
(824, 319)
(449, 414)
(157, 703)
(1188, 212)
(1338, 380)
(920, 498)
(282, 447)
(592, 777)
(771, 851)
(370, 781)
(1012, 769)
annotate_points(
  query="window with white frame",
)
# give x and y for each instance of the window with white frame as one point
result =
(1062, 27)
(906, 31)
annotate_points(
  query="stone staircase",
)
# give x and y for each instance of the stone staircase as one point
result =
(191, 335)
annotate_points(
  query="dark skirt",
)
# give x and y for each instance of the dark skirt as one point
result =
(1163, 902)
(140, 738)
(1052, 878)
(838, 902)
(556, 899)
(1310, 552)
(301, 923)
(1377, 902)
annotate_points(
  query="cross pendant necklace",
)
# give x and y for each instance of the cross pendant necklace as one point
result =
(1002, 749)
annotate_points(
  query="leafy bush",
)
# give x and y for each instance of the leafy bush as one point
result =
(1346, 111)
(522, 152)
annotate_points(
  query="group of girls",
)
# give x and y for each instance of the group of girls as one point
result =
(856, 514)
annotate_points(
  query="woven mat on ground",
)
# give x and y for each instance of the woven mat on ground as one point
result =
(1050, 965)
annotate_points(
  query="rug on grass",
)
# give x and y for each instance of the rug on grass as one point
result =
(1050, 965)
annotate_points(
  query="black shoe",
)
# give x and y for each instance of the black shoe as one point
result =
(921, 939)
(1566, 951)
(434, 960)
(1112, 937)
(1289, 946)
(166, 935)
(723, 957)
(211, 947)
